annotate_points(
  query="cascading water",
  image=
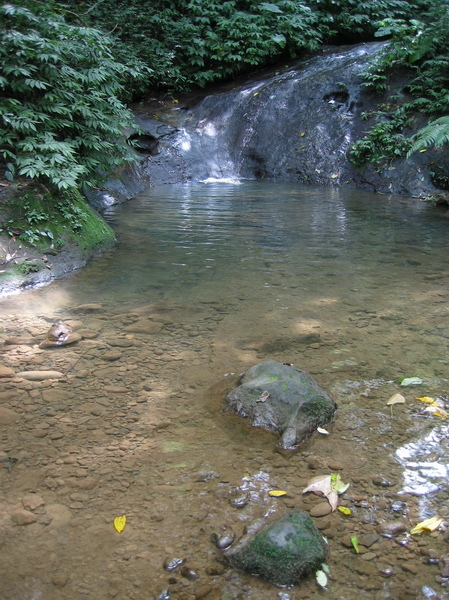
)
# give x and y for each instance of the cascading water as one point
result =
(293, 124)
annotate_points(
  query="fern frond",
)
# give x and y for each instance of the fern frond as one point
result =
(435, 133)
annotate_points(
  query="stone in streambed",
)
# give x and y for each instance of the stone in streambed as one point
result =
(321, 509)
(40, 375)
(7, 416)
(284, 552)
(6, 372)
(282, 399)
(59, 334)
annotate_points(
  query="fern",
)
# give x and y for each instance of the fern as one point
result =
(61, 117)
(435, 133)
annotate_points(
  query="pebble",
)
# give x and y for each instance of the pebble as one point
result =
(392, 528)
(6, 372)
(23, 517)
(7, 416)
(32, 501)
(40, 375)
(320, 510)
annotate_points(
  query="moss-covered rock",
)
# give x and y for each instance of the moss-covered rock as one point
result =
(45, 235)
(284, 552)
(283, 399)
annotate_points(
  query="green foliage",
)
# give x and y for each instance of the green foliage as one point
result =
(435, 133)
(355, 20)
(420, 47)
(48, 220)
(197, 42)
(384, 140)
(61, 117)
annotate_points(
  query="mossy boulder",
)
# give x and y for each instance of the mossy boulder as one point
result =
(284, 552)
(283, 399)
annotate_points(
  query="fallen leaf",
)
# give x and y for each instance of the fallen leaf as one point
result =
(323, 431)
(263, 396)
(427, 400)
(338, 485)
(276, 493)
(428, 525)
(437, 411)
(396, 399)
(321, 578)
(411, 381)
(328, 485)
(345, 510)
(119, 523)
(355, 544)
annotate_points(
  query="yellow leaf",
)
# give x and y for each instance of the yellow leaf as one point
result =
(119, 523)
(427, 525)
(175, 101)
(302, 134)
(256, 94)
(437, 411)
(335, 175)
(344, 509)
(277, 493)
(423, 150)
(427, 400)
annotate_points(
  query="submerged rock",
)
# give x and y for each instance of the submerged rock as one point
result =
(59, 334)
(284, 552)
(282, 399)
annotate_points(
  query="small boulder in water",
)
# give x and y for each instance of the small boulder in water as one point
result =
(59, 334)
(282, 399)
(284, 552)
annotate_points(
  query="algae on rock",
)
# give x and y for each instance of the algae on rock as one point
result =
(284, 552)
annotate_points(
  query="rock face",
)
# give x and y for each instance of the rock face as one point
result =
(282, 399)
(284, 552)
(289, 124)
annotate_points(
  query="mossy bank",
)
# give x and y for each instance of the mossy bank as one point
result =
(44, 235)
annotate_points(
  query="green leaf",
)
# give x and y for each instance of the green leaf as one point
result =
(268, 6)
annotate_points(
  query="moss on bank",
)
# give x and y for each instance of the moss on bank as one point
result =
(44, 235)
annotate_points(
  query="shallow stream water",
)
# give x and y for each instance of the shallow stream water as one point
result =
(207, 280)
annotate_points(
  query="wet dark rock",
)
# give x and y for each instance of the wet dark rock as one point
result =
(240, 501)
(173, 563)
(224, 540)
(383, 481)
(283, 552)
(282, 399)
(392, 528)
(188, 573)
(399, 507)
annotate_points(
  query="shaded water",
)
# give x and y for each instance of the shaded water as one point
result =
(207, 280)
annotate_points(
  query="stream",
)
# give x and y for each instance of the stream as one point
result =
(207, 280)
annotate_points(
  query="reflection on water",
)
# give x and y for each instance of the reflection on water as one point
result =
(426, 463)
(207, 280)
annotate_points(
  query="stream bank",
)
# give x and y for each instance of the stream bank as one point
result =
(45, 236)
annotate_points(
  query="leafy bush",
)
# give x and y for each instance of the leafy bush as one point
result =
(196, 42)
(61, 117)
(422, 49)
